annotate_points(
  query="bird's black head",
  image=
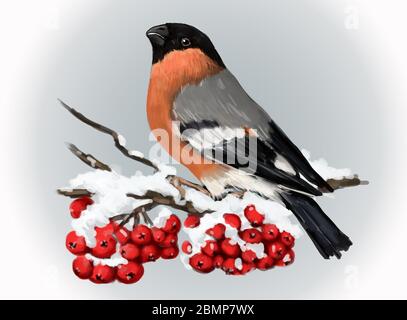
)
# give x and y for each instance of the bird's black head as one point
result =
(178, 36)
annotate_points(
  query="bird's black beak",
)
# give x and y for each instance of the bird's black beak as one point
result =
(158, 34)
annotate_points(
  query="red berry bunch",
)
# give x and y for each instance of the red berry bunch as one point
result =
(138, 246)
(222, 252)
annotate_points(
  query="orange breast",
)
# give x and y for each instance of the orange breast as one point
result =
(176, 70)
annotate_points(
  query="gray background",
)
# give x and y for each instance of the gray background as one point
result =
(300, 63)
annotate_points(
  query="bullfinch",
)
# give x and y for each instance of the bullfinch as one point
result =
(199, 103)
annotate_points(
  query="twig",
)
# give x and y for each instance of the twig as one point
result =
(118, 139)
(88, 158)
(187, 183)
(346, 182)
(119, 143)
(74, 193)
(135, 214)
(119, 217)
(177, 185)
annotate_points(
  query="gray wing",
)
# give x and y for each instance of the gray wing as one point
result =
(214, 116)
(221, 99)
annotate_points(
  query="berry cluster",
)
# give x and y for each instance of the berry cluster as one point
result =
(234, 256)
(136, 247)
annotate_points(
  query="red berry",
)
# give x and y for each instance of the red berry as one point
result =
(82, 267)
(231, 250)
(192, 221)
(170, 252)
(130, 272)
(287, 239)
(122, 235)
(141, 235)
(105, 246)
(210, 248)
(269, 232)
(172, 225)
(130, 251)
(186, 247)
(288, 259)
(75, 244)
(149, 253)
(158, 234)
(229, 266)
(249, 256)
(201, 263)
(170, 240)
(254, 217)
(276, 250)
(233, 220)
(79, 205)
(218, 261)
(247, 267)
(106, 230)
(251, 235)
(265, 263)
(217, 232)
(102, 274)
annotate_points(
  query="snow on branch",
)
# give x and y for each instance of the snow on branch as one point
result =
(129, 198)
(88, 158)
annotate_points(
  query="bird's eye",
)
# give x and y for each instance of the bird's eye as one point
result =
(185, 42)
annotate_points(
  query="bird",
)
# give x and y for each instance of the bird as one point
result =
(203, 117)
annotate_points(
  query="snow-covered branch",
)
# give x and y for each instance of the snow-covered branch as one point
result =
(180, 187)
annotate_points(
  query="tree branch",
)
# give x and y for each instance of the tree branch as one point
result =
(119, 142)
(175, 181)
(156, 198)
(74, 193)
(88, 158)
(346, 182)
(118, 139)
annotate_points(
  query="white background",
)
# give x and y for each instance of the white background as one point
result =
(28, 265)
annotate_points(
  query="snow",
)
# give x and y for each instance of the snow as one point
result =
(238, 263)
(162, 217)
(165, 169)
(258, 249)
(136, 153)
(110, 195)
(92, 161)
(110, 191)
(114, 261)
(122, 140)
(325, 171)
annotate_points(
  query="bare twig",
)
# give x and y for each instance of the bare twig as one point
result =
(346, 182)
(88, 158)
(118, 139)
(177, 185)
(187, 183)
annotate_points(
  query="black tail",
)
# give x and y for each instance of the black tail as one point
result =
(326, 236)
